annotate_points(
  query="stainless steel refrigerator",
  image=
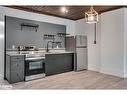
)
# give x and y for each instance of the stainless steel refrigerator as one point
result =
(78, 44)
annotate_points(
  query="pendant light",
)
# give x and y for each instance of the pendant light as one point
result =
(91, 16)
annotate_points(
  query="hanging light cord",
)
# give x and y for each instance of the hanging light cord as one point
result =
(95, 27)
(91, 9)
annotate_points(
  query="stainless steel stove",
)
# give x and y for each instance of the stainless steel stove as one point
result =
(34, 66)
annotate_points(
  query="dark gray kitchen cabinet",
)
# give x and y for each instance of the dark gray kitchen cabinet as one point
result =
(15, 68)
(58, 63)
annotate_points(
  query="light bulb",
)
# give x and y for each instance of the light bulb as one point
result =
(91, 18)
(64, 9)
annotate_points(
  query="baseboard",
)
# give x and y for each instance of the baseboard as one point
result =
(114, 73)
(125, 75)
(94, 68)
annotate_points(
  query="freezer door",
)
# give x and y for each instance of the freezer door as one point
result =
(70, 43)
(81, 59)
(81, 40)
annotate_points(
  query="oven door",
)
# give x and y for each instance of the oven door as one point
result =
(34, 66)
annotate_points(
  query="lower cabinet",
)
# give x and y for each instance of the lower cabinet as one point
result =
(15, 68)
(17, 76)
(58, 63)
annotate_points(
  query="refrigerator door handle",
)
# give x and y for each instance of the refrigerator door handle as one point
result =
(80, 41)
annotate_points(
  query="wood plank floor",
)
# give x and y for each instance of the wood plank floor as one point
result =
(71, 80)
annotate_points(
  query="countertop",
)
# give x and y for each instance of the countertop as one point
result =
(35, 53)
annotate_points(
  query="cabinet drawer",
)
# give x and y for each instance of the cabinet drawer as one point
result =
(17, 65)
(17, 58)
(17, 76)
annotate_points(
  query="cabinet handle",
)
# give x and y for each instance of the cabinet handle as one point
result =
(17, 65)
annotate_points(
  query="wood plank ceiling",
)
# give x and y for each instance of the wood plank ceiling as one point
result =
(74, 12)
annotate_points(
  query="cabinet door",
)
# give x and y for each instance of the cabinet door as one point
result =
(17, 69)
(17, 76)
(58, 63)
(17, 65)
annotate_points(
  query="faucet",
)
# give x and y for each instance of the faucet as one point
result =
(47, 48)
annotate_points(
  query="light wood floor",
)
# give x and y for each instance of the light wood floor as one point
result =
(72, 80)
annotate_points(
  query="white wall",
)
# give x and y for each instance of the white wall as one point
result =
(1, 48)
(70, 25)
(125, 42)
(109, 55)
(112, 42)
(83, 28)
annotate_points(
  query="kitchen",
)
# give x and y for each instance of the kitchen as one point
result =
(37, 49)
(35, 42)
(67, 30)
